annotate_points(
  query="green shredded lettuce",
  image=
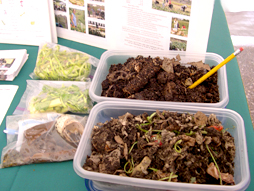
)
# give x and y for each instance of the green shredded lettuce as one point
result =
(54, 64)
(61, 100)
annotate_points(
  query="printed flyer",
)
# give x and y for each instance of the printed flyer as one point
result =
(181, 25)
(11, 62)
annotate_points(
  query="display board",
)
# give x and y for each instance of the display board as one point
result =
(136, 24)
(27, 22)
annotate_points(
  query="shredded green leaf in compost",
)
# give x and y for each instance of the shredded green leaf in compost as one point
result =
(170, 147)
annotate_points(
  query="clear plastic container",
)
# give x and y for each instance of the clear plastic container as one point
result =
(111, 57)
(105, 110)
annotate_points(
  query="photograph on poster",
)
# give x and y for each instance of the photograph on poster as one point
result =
(61, 21)
(59, 5)
(77, 2)
(177, 44)
(179, 27)
(77, 20)
(96, 11)
(182, 7)
(96, 28)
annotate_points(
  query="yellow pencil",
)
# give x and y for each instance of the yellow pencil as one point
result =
(211, 72)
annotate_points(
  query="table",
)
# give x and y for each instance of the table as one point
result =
(61, 176)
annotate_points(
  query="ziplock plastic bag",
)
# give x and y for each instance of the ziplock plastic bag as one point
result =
(57, 62)
(55, 96)
(36, 138)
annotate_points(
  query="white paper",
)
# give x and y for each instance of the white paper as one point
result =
(137, 24)
(26, 22)
(7, 93)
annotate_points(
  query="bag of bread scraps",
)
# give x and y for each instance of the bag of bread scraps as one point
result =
(37, 138)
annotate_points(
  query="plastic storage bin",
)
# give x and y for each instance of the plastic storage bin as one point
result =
(105, 110)
(111, 57)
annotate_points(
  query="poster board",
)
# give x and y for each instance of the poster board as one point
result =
(27, 22)
(136, 24)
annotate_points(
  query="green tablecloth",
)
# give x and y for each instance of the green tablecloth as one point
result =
(61, 176)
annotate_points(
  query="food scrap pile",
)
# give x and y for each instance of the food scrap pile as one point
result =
(164, 146)
(52, 141)
(147, 78)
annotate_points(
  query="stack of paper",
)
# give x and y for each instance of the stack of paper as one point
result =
(11, 62)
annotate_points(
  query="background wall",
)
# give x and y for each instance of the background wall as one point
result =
(237, 5)
(240, 17)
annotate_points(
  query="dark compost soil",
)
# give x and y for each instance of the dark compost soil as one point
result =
(165, 146)
(147, 78)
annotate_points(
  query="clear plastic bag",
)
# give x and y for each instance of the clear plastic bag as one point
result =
(37, 138)
(57, 62)
(55, 96)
